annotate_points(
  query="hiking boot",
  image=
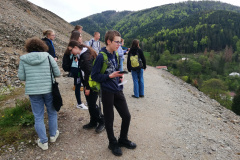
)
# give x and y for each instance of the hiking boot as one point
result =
(126, 143)
(116, 150)
(134, 96)
(100, 128)
(82, 106)
(43, 146)
(89, 126)
(54, 138)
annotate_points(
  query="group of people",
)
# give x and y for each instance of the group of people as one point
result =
(87, 60)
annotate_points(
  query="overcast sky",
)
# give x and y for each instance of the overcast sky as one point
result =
(71, 10)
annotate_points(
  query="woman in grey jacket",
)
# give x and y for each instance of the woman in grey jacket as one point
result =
(34, 68)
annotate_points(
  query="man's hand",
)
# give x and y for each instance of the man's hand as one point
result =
(87, 92)
(115, 74)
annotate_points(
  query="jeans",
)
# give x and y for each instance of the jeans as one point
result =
(95, 112)
(121, 64)
(118, 100)
(77, 83)
(37, 104)
(138, 82)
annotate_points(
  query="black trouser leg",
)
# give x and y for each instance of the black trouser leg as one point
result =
(122, 108)
(119, 101)
(94, 111)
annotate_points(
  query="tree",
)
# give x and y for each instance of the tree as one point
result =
(195, 45)
(215, 88)
(194, 67)
(238, 46)
(236, 102)
(228, 54)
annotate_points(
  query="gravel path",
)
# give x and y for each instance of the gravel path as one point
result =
(173, 121)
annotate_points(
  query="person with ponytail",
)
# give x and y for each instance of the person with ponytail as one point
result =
(85, 63)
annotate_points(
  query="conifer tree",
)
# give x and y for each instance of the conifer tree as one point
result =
(236, 102)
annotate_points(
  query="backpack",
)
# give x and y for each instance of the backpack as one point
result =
(67, 62)
(95, 86)
(92, 43)
(136, 62)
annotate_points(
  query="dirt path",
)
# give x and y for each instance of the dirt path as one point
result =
(172, 121)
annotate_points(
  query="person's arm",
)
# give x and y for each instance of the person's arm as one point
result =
(142, 58)
(86, 67)
(128, 62)
(21, 72)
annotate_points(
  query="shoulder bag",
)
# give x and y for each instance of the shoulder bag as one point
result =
(57, 98)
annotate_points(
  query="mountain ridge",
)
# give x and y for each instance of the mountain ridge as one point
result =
(144, 23)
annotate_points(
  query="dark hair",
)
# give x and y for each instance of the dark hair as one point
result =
(75, 36)
(77, 27)
(110, 35)
(80, 46)
(35, 45)
(135, 43)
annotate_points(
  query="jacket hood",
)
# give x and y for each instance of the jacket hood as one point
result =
(84, 50)
(34, 58)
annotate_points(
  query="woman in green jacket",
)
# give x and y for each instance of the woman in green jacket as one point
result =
(34, 68)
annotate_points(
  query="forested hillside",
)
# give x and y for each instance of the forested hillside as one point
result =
(209, 29)
(147, 23)
(101, 22)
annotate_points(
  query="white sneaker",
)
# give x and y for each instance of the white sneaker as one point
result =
(53, 139)
(82, 106)
(43, 146)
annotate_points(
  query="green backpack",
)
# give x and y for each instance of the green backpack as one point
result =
(136, 62)
(95, 86)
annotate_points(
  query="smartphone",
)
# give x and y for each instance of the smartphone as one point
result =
(123, 72)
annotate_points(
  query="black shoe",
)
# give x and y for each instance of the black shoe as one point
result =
(100, 128)
(126, 143)
(89, 126)
(141, 96)
(116, 150)
(134, 96)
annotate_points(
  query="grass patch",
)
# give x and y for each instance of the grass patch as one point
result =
(16, 123)
(13, 93)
